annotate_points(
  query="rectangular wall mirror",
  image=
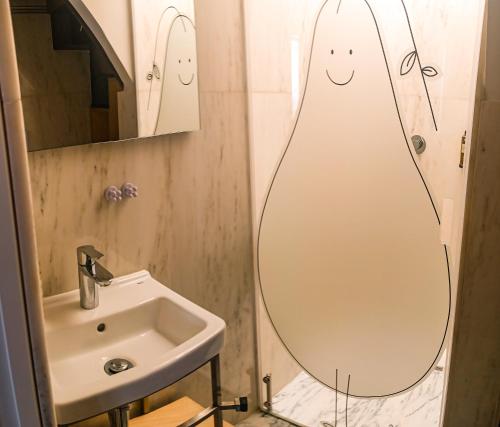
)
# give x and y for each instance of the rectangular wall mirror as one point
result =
(97, 71)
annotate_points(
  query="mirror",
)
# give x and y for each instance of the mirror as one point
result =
(93, 71)
(166, 66)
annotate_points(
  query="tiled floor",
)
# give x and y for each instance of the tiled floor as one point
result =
(308, 402)
(311, 404)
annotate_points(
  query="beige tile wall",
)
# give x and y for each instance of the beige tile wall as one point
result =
(191, 225)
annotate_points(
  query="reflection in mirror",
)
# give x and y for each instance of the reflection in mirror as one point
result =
(77, 75)
(166, 66)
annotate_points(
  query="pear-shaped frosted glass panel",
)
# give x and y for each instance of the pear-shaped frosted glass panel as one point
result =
(352, 271)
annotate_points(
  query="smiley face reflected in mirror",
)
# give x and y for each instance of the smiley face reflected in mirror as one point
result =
(186, 71)
(331, 74)
(182, 47)
(179, 102)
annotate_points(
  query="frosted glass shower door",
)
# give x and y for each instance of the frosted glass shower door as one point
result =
(354, 274)
(349, 235)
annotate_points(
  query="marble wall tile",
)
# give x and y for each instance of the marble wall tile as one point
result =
(191, 225)
(272, 27)
(221, 56)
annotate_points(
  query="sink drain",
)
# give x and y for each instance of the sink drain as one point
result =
(115, 366)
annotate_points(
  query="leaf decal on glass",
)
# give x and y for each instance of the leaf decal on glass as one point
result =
(408, 63)
(429, 71)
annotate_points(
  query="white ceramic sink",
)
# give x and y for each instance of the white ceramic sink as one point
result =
(164, 335)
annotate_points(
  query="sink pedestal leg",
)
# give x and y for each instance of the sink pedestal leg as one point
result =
(119, 417)
(216, 390)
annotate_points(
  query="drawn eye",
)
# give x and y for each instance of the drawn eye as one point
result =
(350, 52)
(332, 51)
(189, 59)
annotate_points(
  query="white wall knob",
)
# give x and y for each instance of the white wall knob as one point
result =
(130, 190)
(113, 194)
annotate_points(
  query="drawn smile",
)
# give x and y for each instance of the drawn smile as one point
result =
(337, 83)
(186, 83)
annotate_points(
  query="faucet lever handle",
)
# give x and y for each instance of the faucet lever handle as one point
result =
(88, 254)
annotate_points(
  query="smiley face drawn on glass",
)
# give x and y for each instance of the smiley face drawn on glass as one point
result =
(330, 74)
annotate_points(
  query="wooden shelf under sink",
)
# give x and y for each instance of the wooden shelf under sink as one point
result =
(172, 415)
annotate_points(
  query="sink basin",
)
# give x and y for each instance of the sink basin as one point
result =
(163, 335)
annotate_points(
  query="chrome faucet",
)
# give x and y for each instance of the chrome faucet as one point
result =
(91, 274)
